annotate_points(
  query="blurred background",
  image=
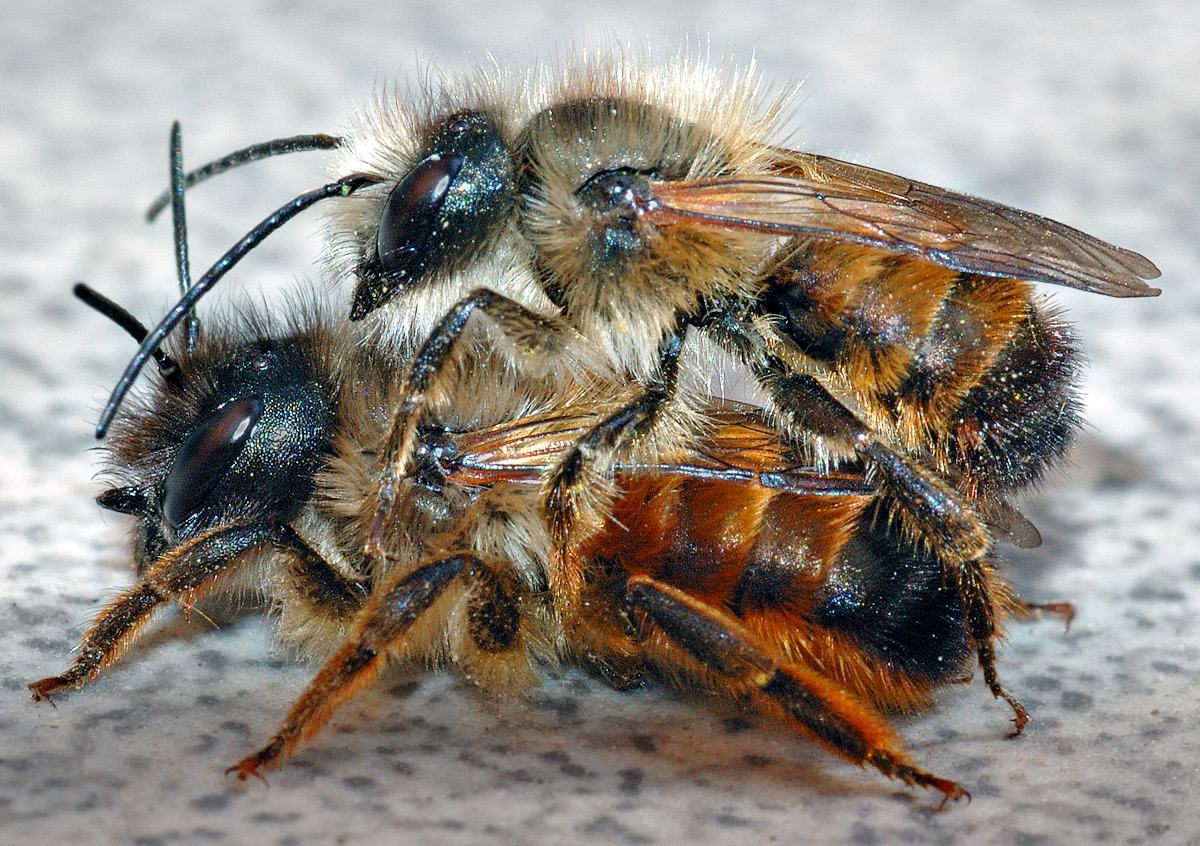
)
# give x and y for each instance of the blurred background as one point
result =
(1089, 114)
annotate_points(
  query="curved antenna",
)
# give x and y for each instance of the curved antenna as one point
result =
(179, 226)
(341, 188)
(265, 150)
(121, 316)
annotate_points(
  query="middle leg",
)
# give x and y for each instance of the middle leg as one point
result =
(359, 662)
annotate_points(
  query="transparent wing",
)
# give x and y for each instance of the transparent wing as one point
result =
(830, 199)
(739, 447)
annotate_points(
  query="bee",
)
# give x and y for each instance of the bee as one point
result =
(628, 219)
(597, 225)
(253, 459)
(728, 565)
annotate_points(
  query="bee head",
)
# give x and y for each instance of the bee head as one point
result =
(433, 211)
(233, 434)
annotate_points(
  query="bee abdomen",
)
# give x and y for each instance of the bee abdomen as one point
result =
(828, 581)
(866, 595)
(964, 371)
(1022, 414)
(864, 314)
(892, 600)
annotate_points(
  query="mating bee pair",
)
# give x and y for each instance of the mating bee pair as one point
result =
(504, 459)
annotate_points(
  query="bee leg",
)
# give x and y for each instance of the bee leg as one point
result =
(979, 610)
(580, 473)
(535, 337)
(810, 701)
(1025, 610)
(385, 623)
(181, 573)
(935, 512)
(493, 611)
(326, 590)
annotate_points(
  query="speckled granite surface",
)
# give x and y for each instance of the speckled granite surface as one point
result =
(1089, 116)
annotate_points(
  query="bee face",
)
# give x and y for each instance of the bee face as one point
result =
(439, 209)
(239, 441)
(442, 214)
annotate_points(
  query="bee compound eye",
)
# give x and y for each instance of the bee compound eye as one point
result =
(206, 455)
(412, 212)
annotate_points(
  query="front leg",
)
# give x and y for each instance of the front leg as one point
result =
(181, 574)
(536, 342)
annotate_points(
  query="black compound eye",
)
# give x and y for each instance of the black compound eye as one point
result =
(411, 214)
(443, 214)
(205, 456)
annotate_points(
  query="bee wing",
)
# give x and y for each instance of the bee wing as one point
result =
(520, 450)
(830, 199)
(740, 447)
(1010, 525)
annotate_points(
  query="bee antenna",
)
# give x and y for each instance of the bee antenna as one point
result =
(341, 188)
(265, 150)
(121, 316)
(179, 225)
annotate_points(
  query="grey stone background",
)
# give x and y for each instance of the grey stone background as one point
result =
(1089, 113)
